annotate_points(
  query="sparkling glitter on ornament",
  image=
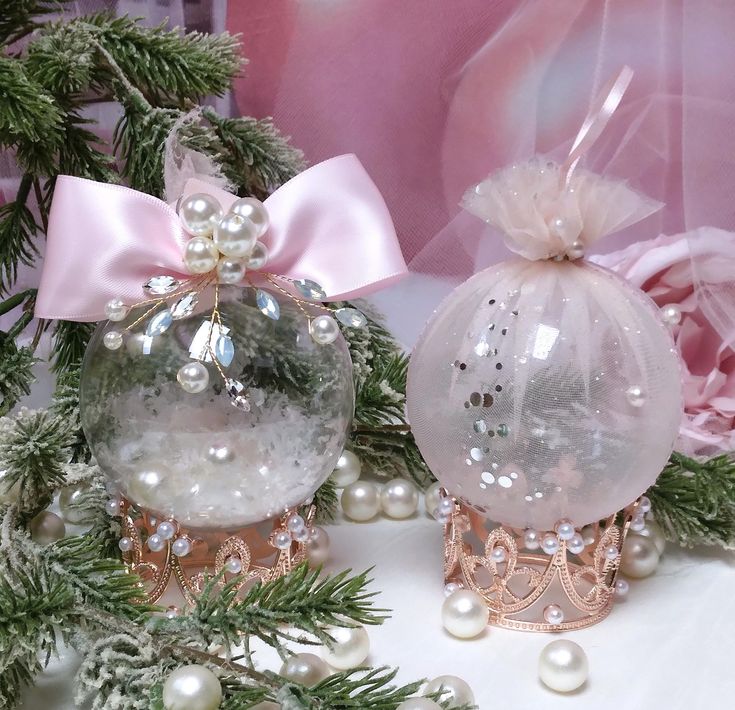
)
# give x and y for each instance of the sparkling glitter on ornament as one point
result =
(563, 416)
(154, 441)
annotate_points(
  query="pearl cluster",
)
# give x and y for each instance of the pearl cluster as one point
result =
(225, 242)
(166, 533)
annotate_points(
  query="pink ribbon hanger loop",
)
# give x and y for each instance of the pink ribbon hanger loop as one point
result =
(329, 224)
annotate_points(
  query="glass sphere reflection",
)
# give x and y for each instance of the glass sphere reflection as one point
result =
(154, 440)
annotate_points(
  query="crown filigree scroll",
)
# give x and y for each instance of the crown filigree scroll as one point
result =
(539, 583)
(164, 553)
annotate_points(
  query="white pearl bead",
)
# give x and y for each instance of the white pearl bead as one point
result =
(399, 498)
(432, 496)
(576, 251)
(305, 668)
(550, 544)
(563, 666)
(531, 539)
(258, 256)
(282, 540)
(419, 704)
(640, 557)
(200, 255)
(553, 614)
(166, 530)
(347, 470)
(465, 614)
(199, 213)
(589, 534)
(113, 507)
(454, 691)
(451, 587)
(317, 547)
(350, 648)
(324, 330)
(671, 314)
(68, 498)
(611, 552)
(155, 542)
(255, 211)
(192, 687)
(498, 555)
(181, 547)
(638, 522)
(116, 310)
(230, 271)
(125, 544)
(235, 236)
(361, 501)
(193, 377)
(112, 339)
(644, 505)
(565, 530)
(575, 544)
(301, 535)
(635, 395)
(653, 531)
(295, 522)
(621, 587)
(233, 565)
(47, 527)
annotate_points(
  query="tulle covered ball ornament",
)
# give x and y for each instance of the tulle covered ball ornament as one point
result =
(544, 393)
(218, 395)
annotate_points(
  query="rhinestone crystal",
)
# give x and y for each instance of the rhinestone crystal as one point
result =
(310, 289)
(161, 285)
(159, 324)
(351, 317)
(224, 350)
(267, 304)
(185, 306)
(236, 392)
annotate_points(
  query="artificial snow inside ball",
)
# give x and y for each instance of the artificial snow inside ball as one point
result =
(542, 391)
(194, 456)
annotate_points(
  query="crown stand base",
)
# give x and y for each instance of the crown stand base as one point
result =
(249, 554)
(529, 590)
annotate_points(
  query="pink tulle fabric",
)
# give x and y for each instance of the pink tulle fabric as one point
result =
(694, 271)
(433, 96)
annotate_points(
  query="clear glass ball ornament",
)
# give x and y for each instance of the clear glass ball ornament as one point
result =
(520, 393)
(154, 440)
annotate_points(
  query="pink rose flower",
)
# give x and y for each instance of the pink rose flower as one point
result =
(695, 272)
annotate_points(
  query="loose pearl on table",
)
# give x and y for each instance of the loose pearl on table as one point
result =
(432, 496)
(653, 531)
(671, 314)
(465, 614)
(317, 547)
(455, 692)
(419, 704)
(324, 330)
(47, 527)
(347, 470)
(399, 498)
(235, 236)
(640, 557)
(305, 668)
(116, 310)
(563, 666)
(230, 271)
(112, 339)
(254, 210)
(361, 501)
(193, 377)
(350, 648)
(200, 255)
(192, 687)
(199, 213)
(258, 256)
(69, 497)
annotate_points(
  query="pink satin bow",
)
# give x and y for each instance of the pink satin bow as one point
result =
(329, 224)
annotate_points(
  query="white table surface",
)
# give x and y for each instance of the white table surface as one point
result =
(669, 645)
